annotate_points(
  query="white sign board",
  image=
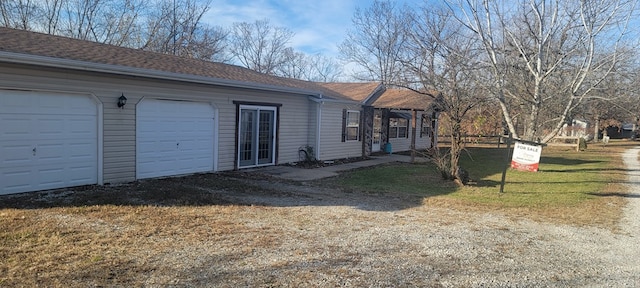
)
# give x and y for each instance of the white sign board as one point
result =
(526, 157)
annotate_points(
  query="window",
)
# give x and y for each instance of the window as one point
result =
(398, 127)
(352, 126)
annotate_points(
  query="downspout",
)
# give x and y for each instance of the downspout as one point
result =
(318, 127)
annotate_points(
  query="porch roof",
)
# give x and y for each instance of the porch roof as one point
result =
(405, 99)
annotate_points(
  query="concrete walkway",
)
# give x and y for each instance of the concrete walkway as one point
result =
(631, 220)
(308, 174)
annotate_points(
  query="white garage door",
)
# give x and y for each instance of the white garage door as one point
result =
(47, 140)
(173, 138)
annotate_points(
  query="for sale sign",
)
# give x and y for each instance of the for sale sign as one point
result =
(526, 157)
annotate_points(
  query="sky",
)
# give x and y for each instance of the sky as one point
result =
(319, 25)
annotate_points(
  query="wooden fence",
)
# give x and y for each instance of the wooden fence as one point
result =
(445, 140)
(498, 140)
(565, 141)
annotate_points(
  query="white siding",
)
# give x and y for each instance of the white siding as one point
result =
(331, 145)
(404, 144)
(119, 124)
(313, 125)
(293, 128)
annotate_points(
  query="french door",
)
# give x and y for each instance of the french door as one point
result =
(256, 136)
(377, 131)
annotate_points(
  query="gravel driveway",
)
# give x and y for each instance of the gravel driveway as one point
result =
(422, 246)
(305, 236)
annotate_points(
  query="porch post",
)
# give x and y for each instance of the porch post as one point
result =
(384, 130)
(414, 119)
(367, 130)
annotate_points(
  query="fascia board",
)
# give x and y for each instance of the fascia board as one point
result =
(374, 95)
(329, 100)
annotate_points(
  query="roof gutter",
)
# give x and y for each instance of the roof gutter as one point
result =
(18, 58)
(321, 99)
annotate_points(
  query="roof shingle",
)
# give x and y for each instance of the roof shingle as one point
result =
(38, 44)
(91, 53)
(355, 91)
(404, 99)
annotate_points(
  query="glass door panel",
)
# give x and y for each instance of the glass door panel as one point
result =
(256, 136)
(247, 135)
(265, 137)
(377, 130)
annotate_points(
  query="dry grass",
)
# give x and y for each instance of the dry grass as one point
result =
(227, 230)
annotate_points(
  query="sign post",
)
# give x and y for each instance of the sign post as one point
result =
(525, 157)
(504, 171)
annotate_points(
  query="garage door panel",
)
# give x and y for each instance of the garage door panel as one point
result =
(50, 176)
(15, 153)
(173, 137)
(48, 140)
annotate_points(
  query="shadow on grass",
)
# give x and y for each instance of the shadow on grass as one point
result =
(567, 161)
(615, 194)
(492, 161)
(492, 183)
(594, 170)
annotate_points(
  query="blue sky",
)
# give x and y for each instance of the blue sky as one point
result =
(319, 25)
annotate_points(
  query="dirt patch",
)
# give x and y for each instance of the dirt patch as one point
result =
(319, 163)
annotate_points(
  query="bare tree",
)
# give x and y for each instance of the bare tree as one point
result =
(296, 66)
(260, 46)
(564, 50)
(441, 57)
(376, 41)
(324, 69)
(211, 44)
(119, 22)
(175, 27)
(80, 18)
(18, 14)
(50, 11)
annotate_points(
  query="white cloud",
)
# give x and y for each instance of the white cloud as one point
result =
(319, 26)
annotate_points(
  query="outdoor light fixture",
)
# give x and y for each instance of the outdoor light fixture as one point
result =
(122, 101)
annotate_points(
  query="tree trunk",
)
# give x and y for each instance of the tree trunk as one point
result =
(531, 128)
(506, 116)
(456, 148)
(596, 129)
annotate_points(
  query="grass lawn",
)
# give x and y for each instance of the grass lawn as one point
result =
(571, 187)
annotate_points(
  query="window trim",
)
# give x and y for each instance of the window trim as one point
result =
(240, 105)
(397, 134)
(348, 125)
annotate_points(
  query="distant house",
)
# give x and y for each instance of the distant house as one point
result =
(577, 128)
(625, 131)
(75, 113)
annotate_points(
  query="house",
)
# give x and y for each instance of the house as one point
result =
(577, 128)
(78, 113)
(390, 116)
(409, 120)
